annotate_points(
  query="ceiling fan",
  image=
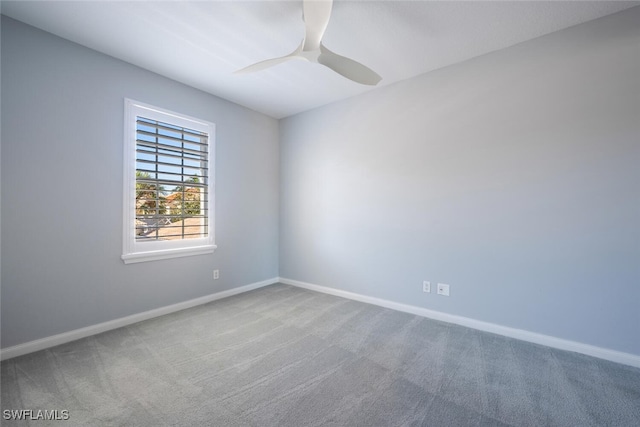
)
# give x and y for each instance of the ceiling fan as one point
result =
(316, 15)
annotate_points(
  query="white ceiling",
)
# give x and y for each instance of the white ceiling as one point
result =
(201, 43)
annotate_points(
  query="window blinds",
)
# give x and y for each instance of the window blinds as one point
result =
(171, 181)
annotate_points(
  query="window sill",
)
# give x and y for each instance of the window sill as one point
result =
(167, 254)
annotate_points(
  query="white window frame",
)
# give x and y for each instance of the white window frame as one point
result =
(134, 251)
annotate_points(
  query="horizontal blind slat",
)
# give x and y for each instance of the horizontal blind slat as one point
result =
(171, 138)
(173, 165)
(153, 181)
(160, 146)
(166, 126)
(173, 156)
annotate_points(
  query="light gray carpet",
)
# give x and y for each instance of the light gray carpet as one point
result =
(283, 356)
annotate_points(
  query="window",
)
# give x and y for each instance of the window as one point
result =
(168, 184)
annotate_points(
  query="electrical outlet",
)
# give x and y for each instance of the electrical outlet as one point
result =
(216, 274)
(426, 286)
(443, 289)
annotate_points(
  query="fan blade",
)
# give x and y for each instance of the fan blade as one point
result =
(348, 67)
(259, 66)
(316, 15)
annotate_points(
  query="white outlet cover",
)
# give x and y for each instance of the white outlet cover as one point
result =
(443, 289)
(426, 286)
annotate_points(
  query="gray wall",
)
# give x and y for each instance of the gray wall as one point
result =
(62, 130)
(514, 177)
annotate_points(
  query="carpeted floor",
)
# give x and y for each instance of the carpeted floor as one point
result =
(283, 356)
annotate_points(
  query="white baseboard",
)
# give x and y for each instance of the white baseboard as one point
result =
(54, 340)
(549, 341)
